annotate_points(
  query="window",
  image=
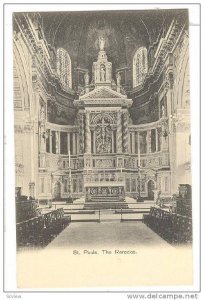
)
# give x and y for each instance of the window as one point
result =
(64, 68)
(140, 66)
(153, 140)
(54, 142)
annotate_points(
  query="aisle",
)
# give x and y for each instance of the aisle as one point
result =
(107, 234)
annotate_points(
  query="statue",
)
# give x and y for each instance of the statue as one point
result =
(102, 73)
(163, 111)
(86, 78)
(118, 77)
(42, 113)
(101, 43)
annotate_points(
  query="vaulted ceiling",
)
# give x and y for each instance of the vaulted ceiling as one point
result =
(124, 33)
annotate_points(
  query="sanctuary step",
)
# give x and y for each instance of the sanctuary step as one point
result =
(104, 199)
(94, 205)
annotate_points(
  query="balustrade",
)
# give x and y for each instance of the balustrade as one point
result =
(151, 160)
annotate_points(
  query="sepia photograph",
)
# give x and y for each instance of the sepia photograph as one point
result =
(102, 145)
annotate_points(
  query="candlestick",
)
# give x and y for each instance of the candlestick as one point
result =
(69, 160)
(138, 148)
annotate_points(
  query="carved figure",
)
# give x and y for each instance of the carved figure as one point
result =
(118, 77)
(103, 137)
(102, 73)
(101, 43)
(86, 78)
(163, 110)
(42, 113)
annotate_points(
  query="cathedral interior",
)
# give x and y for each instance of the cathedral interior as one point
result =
(101, 104)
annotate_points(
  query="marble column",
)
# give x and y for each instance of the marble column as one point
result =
(77, 143)
(125, 132)
(74, 143)
(81, 132)
(119, 132)
(57, 140)
(148, 139)
(68, 142)
(133, 142)
(42, 139)
(94, 142)
(112, 141)
(87, 135)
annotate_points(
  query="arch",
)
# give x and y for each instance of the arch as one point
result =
(140, 66)
(150, 189)
(96, 119)
(181, 84)
(64, 68)
(57, 190)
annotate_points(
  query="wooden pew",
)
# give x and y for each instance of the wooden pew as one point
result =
(39, 231)
(170, 226)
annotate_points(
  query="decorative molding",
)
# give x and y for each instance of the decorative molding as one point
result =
(19, 167)
(23, 128)
(101, 93)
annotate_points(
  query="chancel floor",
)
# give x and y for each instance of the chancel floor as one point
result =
(107, 234)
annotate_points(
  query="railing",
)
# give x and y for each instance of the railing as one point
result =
(88, 213)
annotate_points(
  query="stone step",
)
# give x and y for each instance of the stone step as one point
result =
(105, 199)
(105, 205)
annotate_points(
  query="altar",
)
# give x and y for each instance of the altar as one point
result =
(105, 191)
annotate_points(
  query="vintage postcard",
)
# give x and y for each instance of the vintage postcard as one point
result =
(102, 131)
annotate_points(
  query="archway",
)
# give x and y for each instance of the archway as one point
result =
(150, 189)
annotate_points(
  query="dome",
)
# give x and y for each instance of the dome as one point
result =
(78, 33)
